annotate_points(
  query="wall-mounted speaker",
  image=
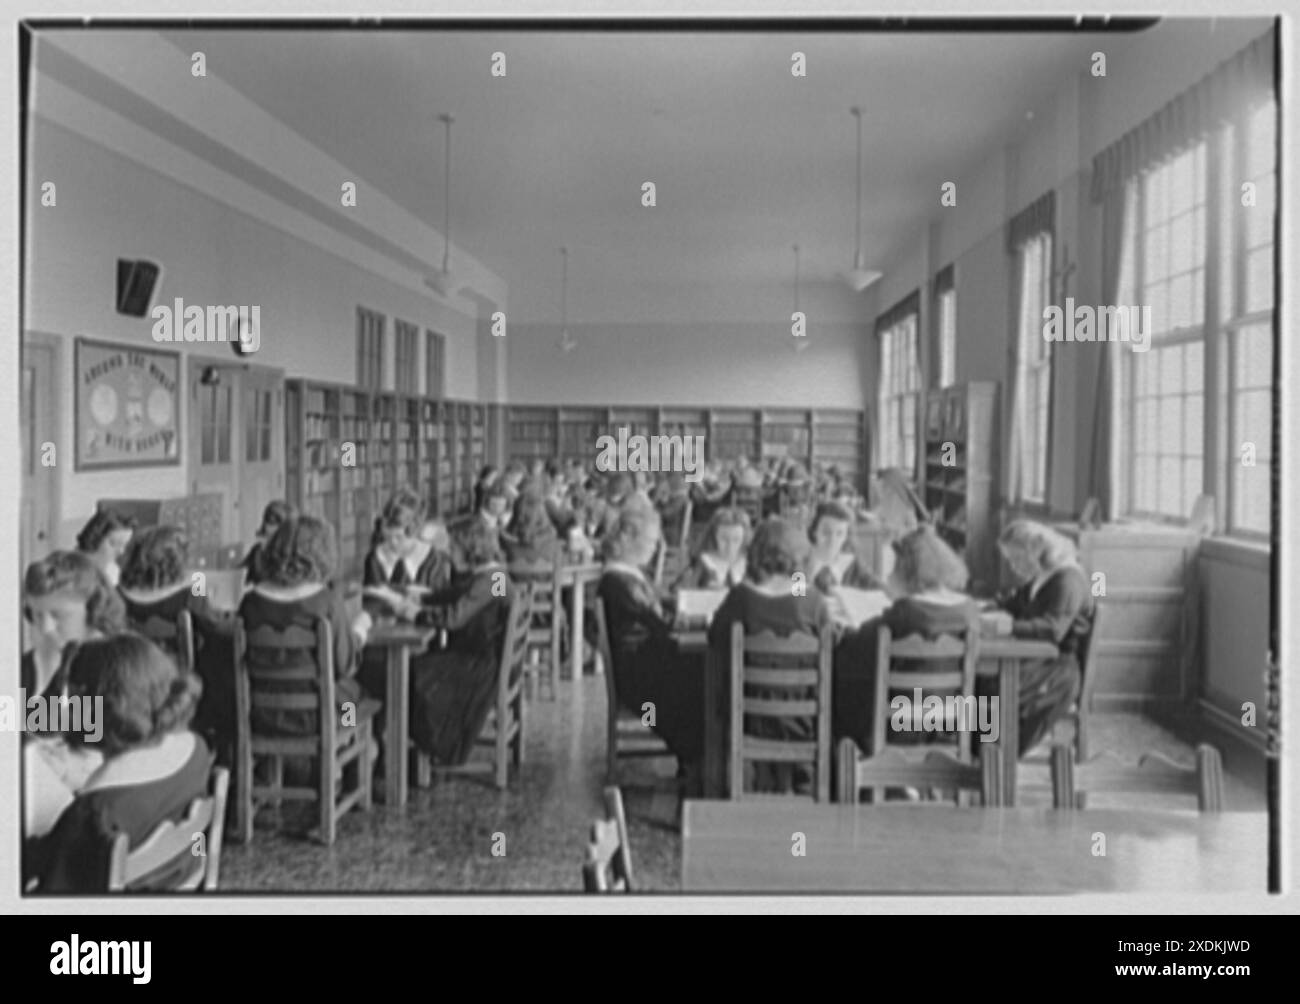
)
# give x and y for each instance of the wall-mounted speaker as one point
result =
(136, 282)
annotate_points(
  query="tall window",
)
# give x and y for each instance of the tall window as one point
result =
(370, 349)
(1033, 377)
(406, 376)
(435, 364)
(945, 313)
(900, 385)
(1248, 198)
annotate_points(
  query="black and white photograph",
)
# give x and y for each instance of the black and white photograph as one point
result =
(729, 461)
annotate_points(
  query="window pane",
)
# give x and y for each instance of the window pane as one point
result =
(1180, 244)
(1254, 356)
(1259, 279)
(1158, 298)
(1180, 302)
(1193, 426)
(1170, 437)
(1171, 369)
(1170, 487)
(1192, 484)
(1181, 183)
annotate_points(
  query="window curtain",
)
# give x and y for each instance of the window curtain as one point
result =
(910, 304)
(1238, 84)
(1037, 218)
(943, 283)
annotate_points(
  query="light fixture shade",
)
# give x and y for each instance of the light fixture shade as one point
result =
(860, 278)
(443, 283)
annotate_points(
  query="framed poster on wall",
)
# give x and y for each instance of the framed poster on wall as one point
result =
(126, 406)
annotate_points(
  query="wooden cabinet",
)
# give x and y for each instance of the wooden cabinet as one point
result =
(959, 470)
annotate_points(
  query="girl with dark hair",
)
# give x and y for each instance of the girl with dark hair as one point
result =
(452, 689)
(772, 599)
(105, 538)
(153, 766)
(299, 563)
(532, 538)
(720, 561)
(157, 582)
(831, 562)
(401, 556)
(273, 515)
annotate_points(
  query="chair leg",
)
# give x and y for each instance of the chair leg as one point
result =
(328, 765)
(1081, 735)
(847, 793)
(367, 768)
(244, 802)
(423, 768)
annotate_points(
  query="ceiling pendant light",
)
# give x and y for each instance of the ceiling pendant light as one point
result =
(567, 342)
(800, 341)
(443, 282)
(859, 277)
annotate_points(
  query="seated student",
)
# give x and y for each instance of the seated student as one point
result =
(647, 666)
(768, 600)
(619, 489)
(512, 480)
(829, 563)
(453, 689)
(720, 563)
(928, 580)
(300, 560)
(153, 766)
(399, 556)
(532, 539)
(104, 538)
(273, 515)
(67, 601)
(558, 501)
(1053, 603)
(487, 477)
(156, 582)
(495, 510)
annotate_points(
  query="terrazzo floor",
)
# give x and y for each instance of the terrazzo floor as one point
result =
(444, 839)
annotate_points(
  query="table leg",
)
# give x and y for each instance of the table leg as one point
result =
(579, 610)
(711, 732)
(397, 755)
(1009, 699)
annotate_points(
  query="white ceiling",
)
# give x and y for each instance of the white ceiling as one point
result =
(747, 159)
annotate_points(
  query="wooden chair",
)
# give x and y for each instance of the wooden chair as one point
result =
(175, 637)
(787, 669)
(259, 658)
(548, 624)
(504, 729)
(958, 683)
(173, 841)
(672, 554)
(1154, 774)
(937, 769)
(1082, 709)
(608, 865)
(625, 736)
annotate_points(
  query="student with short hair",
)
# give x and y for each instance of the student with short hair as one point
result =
(453, 689)
(532, 539)
(154, 766)
(105, 538)
(273, 515)
(831, 562)
(720, 560)
(300, 561)
(399, 555)
(647, 665)
(770, 599)
(1052, 603)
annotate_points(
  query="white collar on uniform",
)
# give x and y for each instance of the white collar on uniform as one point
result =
(837, 566)
(147, 596)
(721, 569)
(144, 765)
(288, 594)
(388, 561)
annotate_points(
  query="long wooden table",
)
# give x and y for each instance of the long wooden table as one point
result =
(577, 576)
(398, 639)
(909, 848)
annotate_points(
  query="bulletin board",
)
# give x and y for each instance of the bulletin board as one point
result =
(127, 406)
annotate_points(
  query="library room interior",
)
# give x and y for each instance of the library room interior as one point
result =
(531, 460)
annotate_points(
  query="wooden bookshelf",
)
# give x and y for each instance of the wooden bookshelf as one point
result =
(958, 473)
(823, 435)
(432, 446)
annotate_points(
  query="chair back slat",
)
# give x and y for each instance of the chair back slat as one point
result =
(292, 637)
(173, 636)
(957, 682)
(172, 840)
(514, 644)
(895, 767)
(787, 688)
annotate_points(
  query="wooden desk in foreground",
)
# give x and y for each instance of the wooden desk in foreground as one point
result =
(935, 849)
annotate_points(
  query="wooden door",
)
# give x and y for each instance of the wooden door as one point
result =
(39, 432)
(215, 437)
(261, 475)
